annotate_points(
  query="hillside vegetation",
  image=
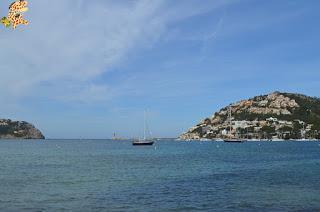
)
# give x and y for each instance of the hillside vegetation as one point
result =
(275, 115)
(18, 130)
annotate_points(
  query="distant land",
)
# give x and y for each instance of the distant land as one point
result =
(18, 130)
(273, 116)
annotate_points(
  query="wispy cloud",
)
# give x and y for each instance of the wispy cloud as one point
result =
(160, 53)
(73, 42)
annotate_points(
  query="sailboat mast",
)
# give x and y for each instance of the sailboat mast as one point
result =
(230, 122)
(144, 126)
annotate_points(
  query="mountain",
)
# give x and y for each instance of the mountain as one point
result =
(18, 130)
(275, 115)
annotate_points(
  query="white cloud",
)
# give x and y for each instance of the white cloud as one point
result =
(73, 42)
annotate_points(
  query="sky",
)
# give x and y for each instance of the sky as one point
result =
(86, 69)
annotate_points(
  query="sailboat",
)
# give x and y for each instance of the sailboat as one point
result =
(145, 141)
(230, 139)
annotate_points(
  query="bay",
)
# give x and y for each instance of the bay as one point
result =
(106, 175)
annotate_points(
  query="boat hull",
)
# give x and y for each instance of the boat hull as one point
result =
(233, 141)
(138, 143)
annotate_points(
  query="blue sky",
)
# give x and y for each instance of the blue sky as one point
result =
(84, 69)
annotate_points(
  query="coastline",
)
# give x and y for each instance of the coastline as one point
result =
(249, 140)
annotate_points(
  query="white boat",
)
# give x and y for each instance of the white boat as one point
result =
(302, 139)
(254, 139)
(277, 139)
(218, 139)
(205, 139)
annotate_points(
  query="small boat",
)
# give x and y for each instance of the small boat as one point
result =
(254, 139)
(233, 141)
(145, 141)
(230, 139)
(205, 139)
(277, 139)
(218, 139)
(142, 142)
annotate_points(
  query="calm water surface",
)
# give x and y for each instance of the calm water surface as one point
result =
(103, 175)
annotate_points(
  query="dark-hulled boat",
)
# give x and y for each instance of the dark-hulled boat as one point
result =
(233, 141)
(144, 141)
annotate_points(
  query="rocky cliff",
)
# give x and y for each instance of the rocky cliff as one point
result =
(276, 115)
(18, 130)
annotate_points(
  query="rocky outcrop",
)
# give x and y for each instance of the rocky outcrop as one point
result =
(276, 115)
(18, 130)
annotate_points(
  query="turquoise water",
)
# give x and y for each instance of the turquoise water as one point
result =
(103, 175)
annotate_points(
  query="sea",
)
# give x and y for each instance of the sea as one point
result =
(106, 175)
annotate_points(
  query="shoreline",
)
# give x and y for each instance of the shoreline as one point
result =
(250, 140)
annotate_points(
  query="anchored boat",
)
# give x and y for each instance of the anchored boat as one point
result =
(145, 141)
